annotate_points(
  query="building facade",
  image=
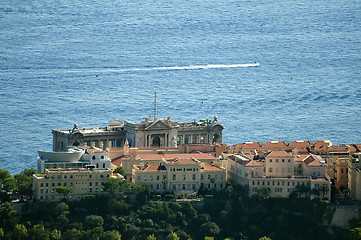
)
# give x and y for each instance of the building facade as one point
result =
(146, 134)
(180, 176)
(82, 181)
(280, 172)
(73, 158)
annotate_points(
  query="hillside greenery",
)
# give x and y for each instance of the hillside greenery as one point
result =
(127, 212)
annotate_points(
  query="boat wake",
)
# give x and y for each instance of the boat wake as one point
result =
(125, 70)
(190, 67)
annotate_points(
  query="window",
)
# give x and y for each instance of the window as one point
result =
(174, 177)
(184, 177)
(283, 170)
(93, 157)
(276, 169)
(289, 170)
(102, 157)
(103, 165)
(90, 176)
(157, 177)
(276, 160)
(270, 169)
(289, 160)
(71, 176)
(194, 177)
(270, 160)
(283, 160)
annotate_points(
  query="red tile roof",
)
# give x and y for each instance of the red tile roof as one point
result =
(183, 161)
(118, 161)
(207, 166)
(279, 154)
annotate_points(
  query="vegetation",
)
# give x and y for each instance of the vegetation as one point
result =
(127, 212)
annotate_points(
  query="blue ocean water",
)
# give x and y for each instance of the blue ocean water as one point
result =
(89, 62)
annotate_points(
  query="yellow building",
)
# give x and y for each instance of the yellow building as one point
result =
(354, 176)
(180, 175)
(280, 172)
(82, 181)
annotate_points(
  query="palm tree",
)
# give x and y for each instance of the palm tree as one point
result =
(324, 189)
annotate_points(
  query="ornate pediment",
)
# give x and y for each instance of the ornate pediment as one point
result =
(158, 124)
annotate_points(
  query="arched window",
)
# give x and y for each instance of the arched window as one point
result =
(215, 137)
(156, 141)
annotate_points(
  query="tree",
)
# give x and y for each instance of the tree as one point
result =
(93, 221)
(111, 235)
(324, 189)
(65, 191)
(39, 232)
(111, 185)
(151, 237)
(72, 234)
(265, 238)
(262, 193)
(209, 229)
(4, 174)
(172, 236)
(315, 192)
(20, 231)
(24, 185)
(119, 170)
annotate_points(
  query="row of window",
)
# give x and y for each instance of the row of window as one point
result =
(278, 183)
(283, 160)
(282, 170)
(70, 184)
(81, 176)
(184, 169)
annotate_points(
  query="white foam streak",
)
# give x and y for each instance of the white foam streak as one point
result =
(115, 70)
(190, 67)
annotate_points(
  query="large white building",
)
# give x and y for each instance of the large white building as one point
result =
(73, 158)
(180, 176)
(163, 133)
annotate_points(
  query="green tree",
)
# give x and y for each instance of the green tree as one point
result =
(172, 236)
(39, 232)
(24, 185)
(111, 185)
(119, 170)
(324, 189)
(72, 234)
(4, 174)
(209, 229)
(315, 192)
(93, 221)
(55, 234)
(8, 217)
(208, 238)
(264, 238)
(20, 231)
(111, 235)
(151, 237)
(65, 191)
(356, 233)
(262, 193)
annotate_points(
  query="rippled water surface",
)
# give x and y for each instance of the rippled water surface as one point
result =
(89, 62)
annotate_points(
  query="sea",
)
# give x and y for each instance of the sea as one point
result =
(90, 62)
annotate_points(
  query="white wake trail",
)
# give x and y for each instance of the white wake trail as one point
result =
(190, 67)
